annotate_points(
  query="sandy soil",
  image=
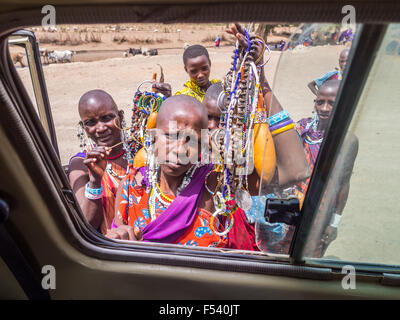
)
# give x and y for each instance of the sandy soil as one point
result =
(102, 66)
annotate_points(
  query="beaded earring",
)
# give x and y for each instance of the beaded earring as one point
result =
(84, 140)
(126, 144)
(151, 161)
(314, 122)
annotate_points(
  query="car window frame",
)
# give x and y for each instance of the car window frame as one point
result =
(27, 40)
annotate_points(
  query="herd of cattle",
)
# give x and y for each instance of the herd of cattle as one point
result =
(66, 55)
(143, 51)
(54, 56)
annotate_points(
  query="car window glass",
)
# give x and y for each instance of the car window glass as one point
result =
(367, 226)
(19, 57)
(306, 81)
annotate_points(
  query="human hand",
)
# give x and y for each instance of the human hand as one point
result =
(257, 45)
(96, 161)
(125, 232)
(162, 87)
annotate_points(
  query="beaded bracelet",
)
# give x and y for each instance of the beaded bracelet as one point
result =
(278, 117)
(281, 124)
(93, 194)
(216, 213)
(334, 223)
(283, 129)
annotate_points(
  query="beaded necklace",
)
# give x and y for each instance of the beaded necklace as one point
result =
(117, 156)
(242, 88)
(156, 192)
(314, 125)
(112, 172)
(144, 103)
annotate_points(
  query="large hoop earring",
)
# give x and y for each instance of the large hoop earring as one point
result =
(220, 102)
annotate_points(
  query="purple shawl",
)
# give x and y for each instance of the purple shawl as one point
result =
(180, 214)
(78, 155)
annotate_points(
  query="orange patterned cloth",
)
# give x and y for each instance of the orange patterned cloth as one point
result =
(134, 211)
(110, 185)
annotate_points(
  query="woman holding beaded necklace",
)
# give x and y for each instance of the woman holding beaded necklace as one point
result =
(95, 173)
(165, 201)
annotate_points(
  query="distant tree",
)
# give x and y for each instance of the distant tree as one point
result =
(264, 29)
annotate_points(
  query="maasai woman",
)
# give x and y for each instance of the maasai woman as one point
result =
(165, 201)
(95, 172)
(311, 132)
(293, 157)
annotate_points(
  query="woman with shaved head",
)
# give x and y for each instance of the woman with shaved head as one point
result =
(165, 201)
(311, 132)
(95, 172)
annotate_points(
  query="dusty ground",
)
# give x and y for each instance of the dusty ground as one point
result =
(365, 234)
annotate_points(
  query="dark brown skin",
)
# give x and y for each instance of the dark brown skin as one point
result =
(214, 114)
(342, 171)
(324, 102)
(197, 68)
(344, 55)
(99, 115)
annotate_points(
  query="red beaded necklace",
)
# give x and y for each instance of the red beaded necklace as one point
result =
(117, 156)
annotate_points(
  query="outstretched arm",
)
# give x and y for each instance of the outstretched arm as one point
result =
(339, 188)
(163, 88)
(350, 147)
(291, 161)
(312, 85)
